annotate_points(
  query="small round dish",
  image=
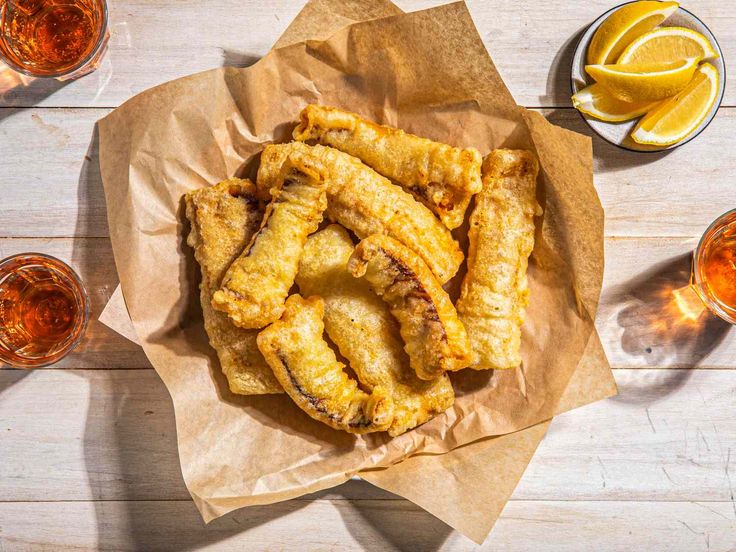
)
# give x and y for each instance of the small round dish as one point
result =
(618, 133)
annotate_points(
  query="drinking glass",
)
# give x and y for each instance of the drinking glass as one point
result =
(44, 310)
(714, 267)
(63, 39)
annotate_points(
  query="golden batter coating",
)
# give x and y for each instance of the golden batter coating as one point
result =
(365, 332)
(365, 202)
(442, 177)
(434, 337)
(310, 373)
(494, 293)
(256, 285)
(223, 219)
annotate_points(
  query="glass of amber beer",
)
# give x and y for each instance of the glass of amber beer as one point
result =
(44, 310)
(714, 267)
(63, 39)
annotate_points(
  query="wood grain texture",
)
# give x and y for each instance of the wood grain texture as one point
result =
(531, 43)
(147, 48)
(88, 455)
(51, 180)
(50, 174)
(368, 525)
(638, 320)
(109, 435)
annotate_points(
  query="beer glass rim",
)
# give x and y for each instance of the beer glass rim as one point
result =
(716, 307)
(93, 52)
(21, 362)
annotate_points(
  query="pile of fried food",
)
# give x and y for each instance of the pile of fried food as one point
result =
(380, 302)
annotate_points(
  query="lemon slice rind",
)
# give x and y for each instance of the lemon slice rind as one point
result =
(706, 49)
(646, 132)
(644, 82)
(596, 102)
(623, 26)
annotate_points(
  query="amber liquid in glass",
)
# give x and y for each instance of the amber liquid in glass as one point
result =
(719, 267)
(42, 310)
(714, 267)
(49, 37)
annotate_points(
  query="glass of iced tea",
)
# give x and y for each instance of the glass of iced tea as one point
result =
(44, 310)
(64, 39)
(714, 267)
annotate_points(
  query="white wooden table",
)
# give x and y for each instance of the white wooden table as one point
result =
(88, 449)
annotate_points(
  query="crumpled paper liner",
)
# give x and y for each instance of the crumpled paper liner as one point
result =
(466, 487)
(237, 451)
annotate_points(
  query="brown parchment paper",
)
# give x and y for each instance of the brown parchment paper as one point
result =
(237, 451)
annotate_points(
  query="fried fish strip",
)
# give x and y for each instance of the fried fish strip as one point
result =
(365, 202)
(312, 376)
(365, 332)
(256, 285)
(494, 293)
(434, 338)
(442, 177)
(223, 219)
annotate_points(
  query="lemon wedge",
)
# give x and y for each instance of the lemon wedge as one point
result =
(677, 118)
(667, 44)
(623, 26)
(638, 82)
(597, 102)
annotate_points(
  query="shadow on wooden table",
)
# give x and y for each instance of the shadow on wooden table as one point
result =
(559, 88)
(664, 325)
(231, 58)
(101, 345)
(9, 377)
(380, 525)
(19, 91)
(141, 502)
(131, 456)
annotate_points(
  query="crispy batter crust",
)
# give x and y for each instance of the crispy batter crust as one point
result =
(494, 293)
(223, 219)
(434, 338)
(442, 177)
(310, 373)
(367, 203)
(365, 332)
(256, 285)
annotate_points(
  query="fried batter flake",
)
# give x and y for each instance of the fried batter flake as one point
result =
(363, 201)
(223, 219)
(365, 332)
(442, 177)
(434, 337)
(310, 373)
(256, 285)
(494, 292)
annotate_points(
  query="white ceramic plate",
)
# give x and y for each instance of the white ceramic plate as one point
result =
(618, 133)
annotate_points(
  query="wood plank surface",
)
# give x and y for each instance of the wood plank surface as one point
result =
(531, 43)
(368, 525)
(639, 321)
(50, 173)
(88, 456)
(110, 435)
(51, 182)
